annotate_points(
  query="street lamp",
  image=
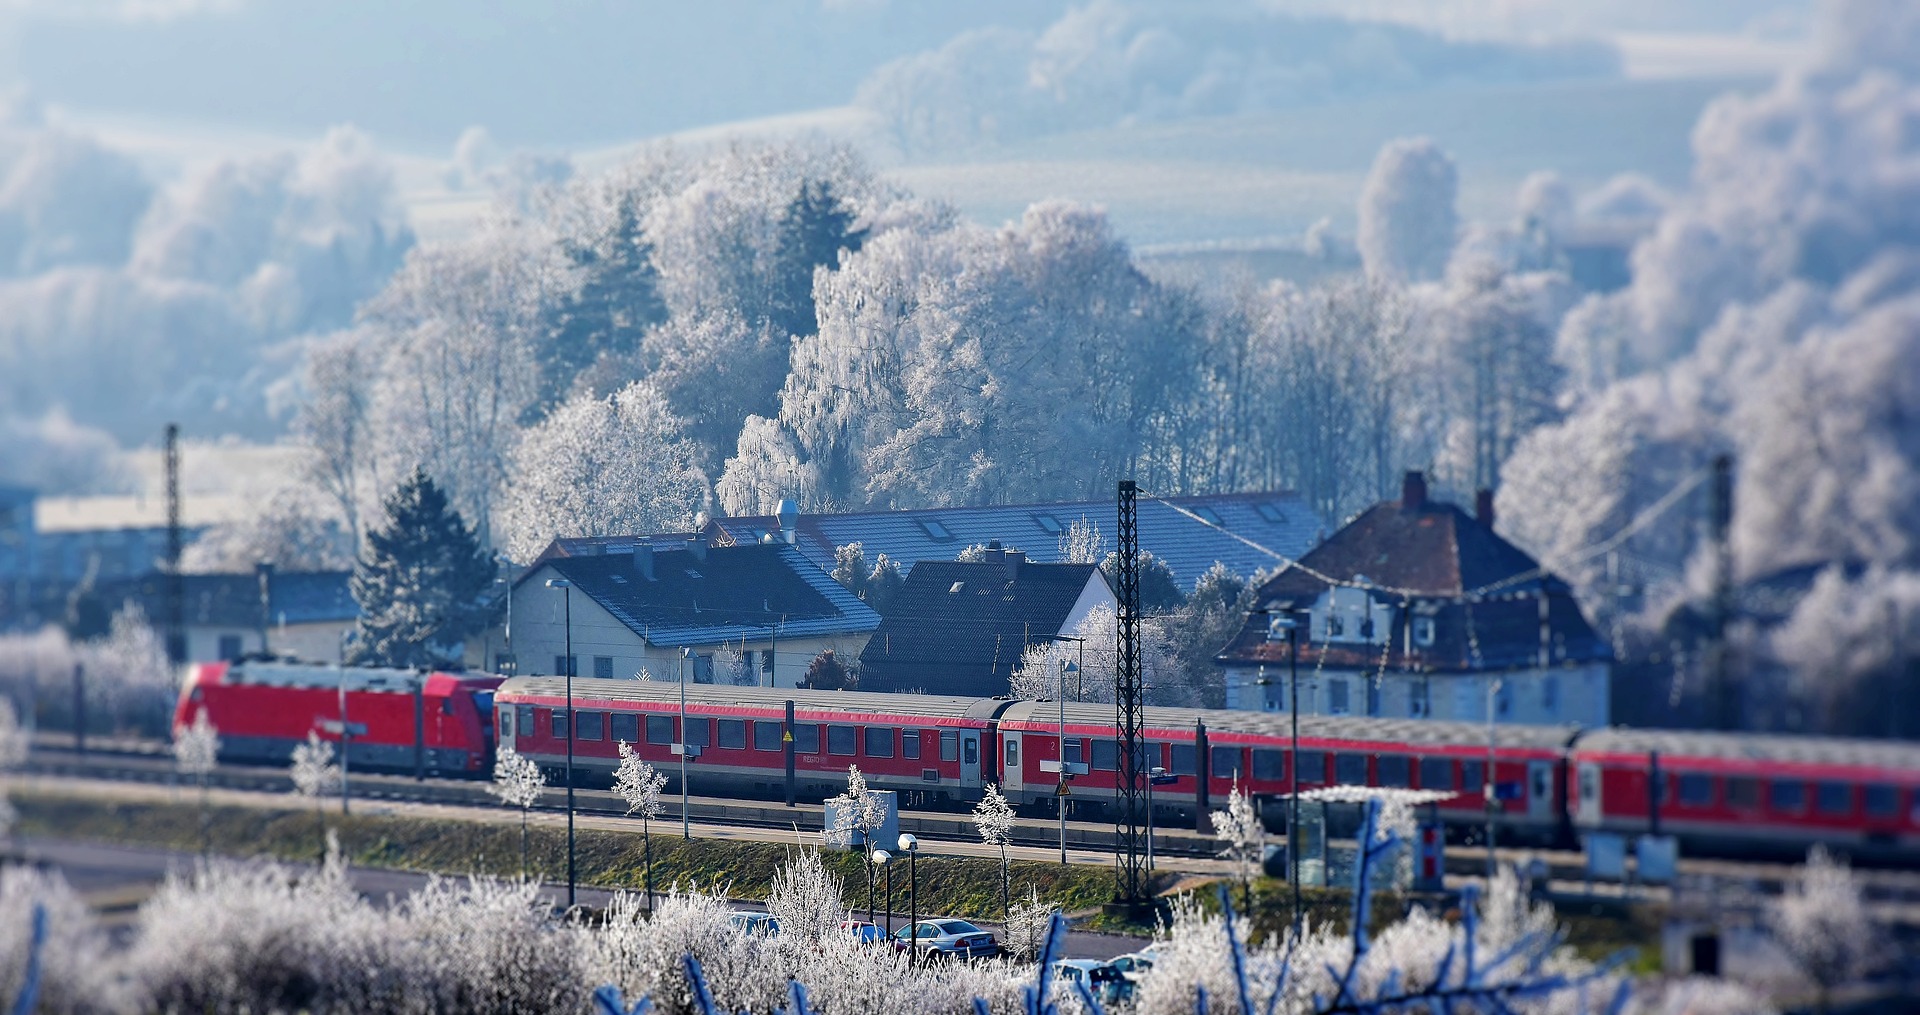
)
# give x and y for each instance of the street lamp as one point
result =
(566, 591)
(1060, 799)
(911, 846)
(1279, 623)
(686, 827)
(881, 858)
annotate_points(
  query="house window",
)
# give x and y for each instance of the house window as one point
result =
(1373, 696)
(1423, 631)
(936, 530)
(626, 727)
(592, 725)
(1271, 512)
(566, 666)
(1503, 698)
(1366, 628)
(910, 743)
(1550, 694)
(1336, 626)
(1337, 703)
(1049, 524)
(502, 663)
(703, 669)
(766, 662)
(733, 734)
(603, 667)
(230, 647)
(766, 736)
(1417, 703)
(659, 729)
(841, 740)
(879, 742)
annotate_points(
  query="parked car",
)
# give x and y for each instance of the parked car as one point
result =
(864, 932)
(955, 938)
(755, 924)
(1133, 965)
(1103, 981)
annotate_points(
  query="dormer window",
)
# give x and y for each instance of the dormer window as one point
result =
(1423, 631)
(936, 530)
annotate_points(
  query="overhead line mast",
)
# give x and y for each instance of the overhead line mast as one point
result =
(1128, 831)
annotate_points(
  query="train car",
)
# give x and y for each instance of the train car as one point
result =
(1750, 794)
(932, 750)
(397, 720)
(1252, 751)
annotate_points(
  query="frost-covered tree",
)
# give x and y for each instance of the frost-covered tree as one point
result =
(1028, 924)
(1159, 590)
(196, 754)
(1082, 543)
(77, 967)
(806, 898)
(857, 813)
(1242, 839)
(1407, 217)
(883, 582)
(596, 328)
(639, 785)
(518, 782)
(1822, 922)
(335, 424)
(602, 466)
(422, 582)
(827, 673)
(1097, 652)
(1498, 330)
(315, 777)
(850, 568)
(993, 817)
(287, 530)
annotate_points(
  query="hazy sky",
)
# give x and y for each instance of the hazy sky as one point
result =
(590, 72)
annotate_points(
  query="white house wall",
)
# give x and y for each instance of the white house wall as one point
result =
(1095, 594)
(1561, 694)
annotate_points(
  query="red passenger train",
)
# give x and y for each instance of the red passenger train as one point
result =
(397, 720)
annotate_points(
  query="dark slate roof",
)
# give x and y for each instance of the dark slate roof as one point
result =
(1278, 520)
(706, 596)
(1479, 588)
(233, 600)
(955, 628)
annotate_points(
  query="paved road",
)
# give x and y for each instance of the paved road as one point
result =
(115, 879)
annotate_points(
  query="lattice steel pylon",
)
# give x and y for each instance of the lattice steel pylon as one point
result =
(1129, 834)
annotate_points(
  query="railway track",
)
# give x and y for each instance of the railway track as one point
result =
(145, 761)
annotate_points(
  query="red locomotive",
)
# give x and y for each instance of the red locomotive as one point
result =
(395, 720)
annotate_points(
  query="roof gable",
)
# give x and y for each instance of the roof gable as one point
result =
(962, 627)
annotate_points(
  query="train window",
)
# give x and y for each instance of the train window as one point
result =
(766, 736)
(806, 738)
(1269, 765)
(1106, 756)
(1394, 770)
(1473, 776)
(559, 725)
(659, 729)
(1350, 769)
(1833, 798)
(1882, 801)
(733, 734)
(1184, 760)
(910, 743)
(1784, 795)
(1073, 751)
(949, 745)
(973, 752)
(1436, 773)
(1224, 762)
(879, 742)
(523, 720)
(626, 726)
(1013, 754)
(699, 731)
(841, 740)
(1743, 793)
(1313, 767)
(1696, 790)
(592, 725)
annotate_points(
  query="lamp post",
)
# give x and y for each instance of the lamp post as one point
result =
(886, 862)
(1489, 786)
(1292, 629)
(686, 827)
(566, 591)
(912, 847)
(1060, 800)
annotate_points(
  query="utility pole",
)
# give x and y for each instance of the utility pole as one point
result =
(176, 589)
(1128, 705)
(1721, 702)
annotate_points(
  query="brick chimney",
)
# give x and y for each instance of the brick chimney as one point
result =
(1413, 491)
(1014, 559)
(1483, 507)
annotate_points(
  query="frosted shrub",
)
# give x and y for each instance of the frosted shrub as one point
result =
(642, 956)
(482, 945)
(805, 897)
(74, 974)
(1823, 925)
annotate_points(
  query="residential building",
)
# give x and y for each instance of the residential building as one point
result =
(1418, 609)
(1249, 532)
(954, 628)
(304, 615)
(674, 608)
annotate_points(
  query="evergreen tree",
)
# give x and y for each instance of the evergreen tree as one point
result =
(816, 226)
(422, 581)
(601, 323)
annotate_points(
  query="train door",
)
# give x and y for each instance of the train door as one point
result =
(1539, 792)
(1587, 809)
(970, 759)
(1011, 773)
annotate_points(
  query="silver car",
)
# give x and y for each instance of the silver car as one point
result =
(952, 938)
